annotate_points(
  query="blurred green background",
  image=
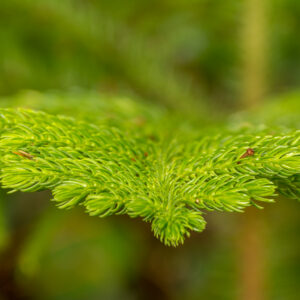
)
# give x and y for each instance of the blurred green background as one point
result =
(191, 54)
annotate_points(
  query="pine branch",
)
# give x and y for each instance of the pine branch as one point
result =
(167, 181)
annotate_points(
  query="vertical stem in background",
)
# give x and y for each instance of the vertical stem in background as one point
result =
(251, 238)
(254, 53)
(252, 257)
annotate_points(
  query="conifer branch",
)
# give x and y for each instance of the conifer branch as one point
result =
(166, 181)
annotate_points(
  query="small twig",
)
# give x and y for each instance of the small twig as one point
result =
(24, 154)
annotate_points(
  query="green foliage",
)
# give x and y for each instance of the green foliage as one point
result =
(158, 167)
(164, 50)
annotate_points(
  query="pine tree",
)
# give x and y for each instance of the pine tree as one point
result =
(127, 157)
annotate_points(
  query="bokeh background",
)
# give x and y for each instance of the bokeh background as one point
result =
(213, 57)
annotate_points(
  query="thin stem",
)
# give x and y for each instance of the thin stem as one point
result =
(251, 240)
